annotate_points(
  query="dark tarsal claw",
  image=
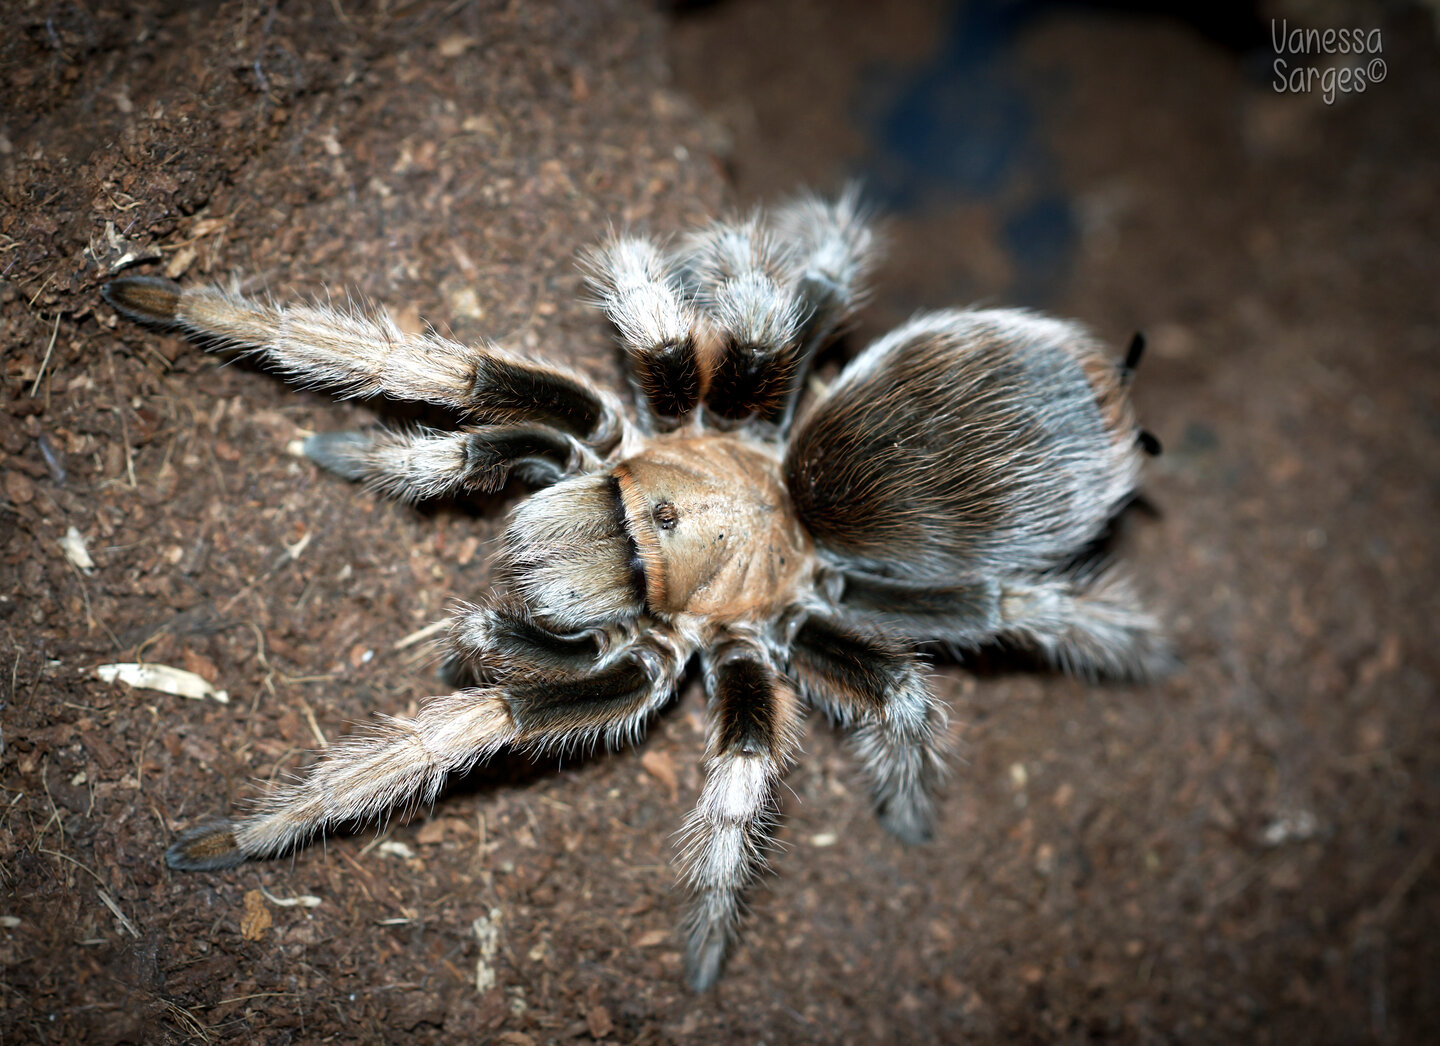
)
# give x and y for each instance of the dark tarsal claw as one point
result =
(205, 848)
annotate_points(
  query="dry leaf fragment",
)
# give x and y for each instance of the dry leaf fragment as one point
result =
(256, 919)
(163, 678)
(201, 665)
(435, 831)
(599, 1021)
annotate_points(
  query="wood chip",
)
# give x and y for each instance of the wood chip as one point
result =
(304, 900)
(180, 261)
(201, 665)
(650, 938)
(163, 678)
(125, 922)
(660, 766)
(434, 628)
(19, 488)
(73, 545)
(456, 45)
(487, 935)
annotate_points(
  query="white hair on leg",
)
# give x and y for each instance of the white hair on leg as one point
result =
(754, 736)
(1090, 626)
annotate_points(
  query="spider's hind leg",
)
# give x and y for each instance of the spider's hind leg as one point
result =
(1088, 622)
(863, 682)
(1091, 625)
(364, 775)
(754, 735)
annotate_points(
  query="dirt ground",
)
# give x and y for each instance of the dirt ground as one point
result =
(1244, 852)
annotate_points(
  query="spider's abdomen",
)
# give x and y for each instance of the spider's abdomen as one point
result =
(965, 441)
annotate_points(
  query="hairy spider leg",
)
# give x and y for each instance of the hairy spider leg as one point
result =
(1133, 354)
(420, 463)
(1090, 624)
(405, 759)
(754, 736)
(1145, 439)
(832, 250)
(639, 289)
(876, 690)
(362, 353)
(738, 273)
(503, 638)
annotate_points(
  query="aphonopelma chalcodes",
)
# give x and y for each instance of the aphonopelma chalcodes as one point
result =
(941, 491)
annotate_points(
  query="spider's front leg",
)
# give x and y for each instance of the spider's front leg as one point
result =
(363, 353)
(774, 295)
(832, 250)
(738, 273)
(426, 463)
(754, 736)
(364, 775)
(640, 291)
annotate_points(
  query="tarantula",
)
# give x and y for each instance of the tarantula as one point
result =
(942, 491)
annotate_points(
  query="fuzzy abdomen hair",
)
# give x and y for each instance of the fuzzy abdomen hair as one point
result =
(965, 442)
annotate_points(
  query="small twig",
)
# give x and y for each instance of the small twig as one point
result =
(303, 900)
(363, 871)
(105, 897)
(314, 724)
(124, 428)
(105, 188)
(185, 1017)
(257, 995)
(382, 837)
(77, 864)
(290, 555)
(1385, 910)
(422, 633)
(54, 817)
(47, 280)
(125, 922)
(45, 362)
